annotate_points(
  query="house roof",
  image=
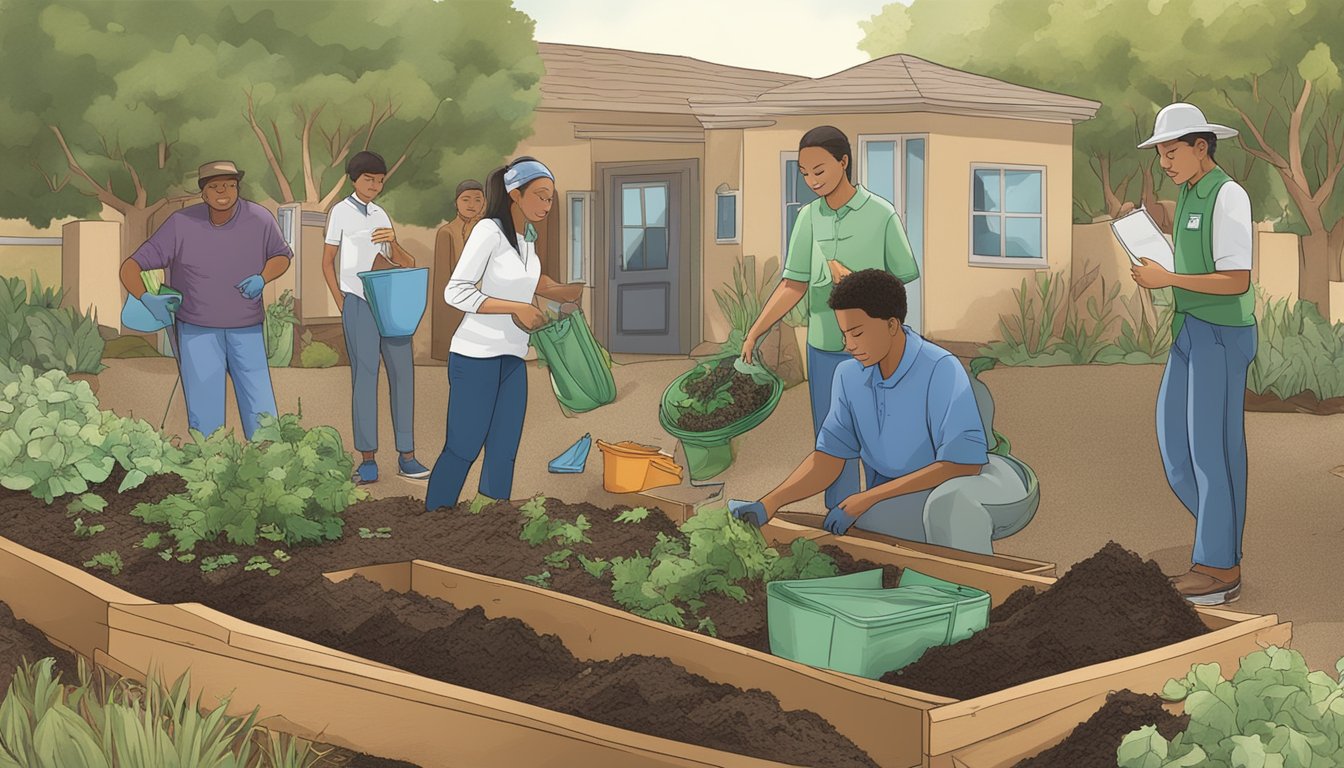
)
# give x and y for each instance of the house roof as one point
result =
(580, 77)
(720, 96)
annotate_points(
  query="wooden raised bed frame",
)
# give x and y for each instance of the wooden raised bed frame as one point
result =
(896, 726)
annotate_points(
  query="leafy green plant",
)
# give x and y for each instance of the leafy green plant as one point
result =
(1039, 302)
(218, 562)
(39, 332)
(741, 300)
(109, 722)
(317, 354)
(1299, 351)
(294, 480)
(378, 533)
(540, 528)
(559, 559)
(109, 560)
(1273, 712)
(278, 330)
(717, 553)
(595, 567)
(260, 563)
(55, 441)
(1082, 340)
(152, 540)
(87, 531)
(86, 503)
(636, 515)
(1142, 340)
(542, 579)
(480, 504)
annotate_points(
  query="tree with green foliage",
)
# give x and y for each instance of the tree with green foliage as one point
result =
(116, 103)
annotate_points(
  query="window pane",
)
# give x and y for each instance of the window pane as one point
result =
(576, 225)
(913, 219)
(985, 190)
(655, 248)
(1022, 191)
(632, 249)
(879, 162)
(632, 214)
(727, 218)
(790, 184)
(1024, 238)
(985, 236)
(790, 216)
(655, 206)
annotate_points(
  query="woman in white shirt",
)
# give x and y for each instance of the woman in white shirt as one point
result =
(494, 284)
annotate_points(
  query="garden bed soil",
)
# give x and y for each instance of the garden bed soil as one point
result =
(416, 634)
(1094, 742)
(1109, 606)
(1306, 402)
(748, 397)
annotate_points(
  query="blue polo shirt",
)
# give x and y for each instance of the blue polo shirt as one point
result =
(924, 413)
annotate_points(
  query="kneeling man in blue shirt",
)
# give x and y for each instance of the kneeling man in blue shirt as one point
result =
(905, 406)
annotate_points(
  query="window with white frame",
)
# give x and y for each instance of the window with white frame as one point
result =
(1008, 215)
(796, 195)
(580, 241)
(727, 215)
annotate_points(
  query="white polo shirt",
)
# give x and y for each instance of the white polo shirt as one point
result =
(1232, 235)
(491, 269)
(350, 226)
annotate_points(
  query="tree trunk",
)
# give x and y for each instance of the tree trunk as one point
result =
(135, 228)
(1313, 282)
(1336, 245)
(1162, 211)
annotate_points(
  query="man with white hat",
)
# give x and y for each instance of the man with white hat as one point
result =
(1200, 406)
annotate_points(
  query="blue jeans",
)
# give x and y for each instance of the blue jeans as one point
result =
(1201, 433)
(366, 345)
(820, 375)
(204, 356)
(487, 400)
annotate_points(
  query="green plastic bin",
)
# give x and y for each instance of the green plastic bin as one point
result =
(708, 454)
(851, 624)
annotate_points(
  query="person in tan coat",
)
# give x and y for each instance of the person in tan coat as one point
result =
(447, 250)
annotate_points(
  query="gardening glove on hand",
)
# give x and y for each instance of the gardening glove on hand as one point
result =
(748, 512)
(251, 287)
(839, 521)
(161, 307)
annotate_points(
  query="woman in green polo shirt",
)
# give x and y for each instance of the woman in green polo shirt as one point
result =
(846, 229)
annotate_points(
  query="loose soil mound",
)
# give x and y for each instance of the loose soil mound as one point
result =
(21, 641)
(1307, 402)
(1017, 601)
(748, 397)
(1093, 743)
(1106, 607)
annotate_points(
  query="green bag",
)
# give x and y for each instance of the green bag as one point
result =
(851, 624)
(580, 374)
(710, 453)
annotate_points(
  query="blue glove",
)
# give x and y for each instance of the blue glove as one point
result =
(748, 512)
(838, 522)
(251, 287)
(161, 307)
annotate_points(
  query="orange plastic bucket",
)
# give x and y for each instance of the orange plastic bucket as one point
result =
(630, 467)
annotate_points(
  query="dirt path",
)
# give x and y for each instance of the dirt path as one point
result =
(1088, 433)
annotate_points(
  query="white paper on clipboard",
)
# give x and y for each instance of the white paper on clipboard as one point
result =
(1139, 234)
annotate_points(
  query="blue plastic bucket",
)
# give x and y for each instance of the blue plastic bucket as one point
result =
(398, 298)
(136, 316)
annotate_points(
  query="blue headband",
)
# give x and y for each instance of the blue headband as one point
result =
(524, 172)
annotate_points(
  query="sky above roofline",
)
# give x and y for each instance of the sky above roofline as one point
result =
(802, 37)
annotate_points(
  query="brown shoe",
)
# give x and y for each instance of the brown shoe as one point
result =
(1200, 587)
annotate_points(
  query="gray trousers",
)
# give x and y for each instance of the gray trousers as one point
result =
(965, 513)
(366, 346)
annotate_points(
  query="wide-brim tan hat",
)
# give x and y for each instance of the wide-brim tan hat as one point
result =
(216, 169)
(1180, 119)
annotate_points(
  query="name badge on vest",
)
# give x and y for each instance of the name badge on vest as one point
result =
(1193, 221)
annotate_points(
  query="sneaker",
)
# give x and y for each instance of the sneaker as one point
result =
(366, 473)
(411, 468)
(1200, 588)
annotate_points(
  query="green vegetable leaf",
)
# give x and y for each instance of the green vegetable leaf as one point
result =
(90, 503)
(596, 567)
(559, 559)
(636, 515)
(1144, 748)
(542, 579)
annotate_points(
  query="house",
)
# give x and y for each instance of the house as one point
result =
(669, 170)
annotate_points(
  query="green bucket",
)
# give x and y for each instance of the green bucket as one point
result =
(710, 453)
(850, 624)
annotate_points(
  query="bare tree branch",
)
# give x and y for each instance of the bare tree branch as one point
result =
(277, 170)
(1295, 137)
(104, 194)
(52, 183)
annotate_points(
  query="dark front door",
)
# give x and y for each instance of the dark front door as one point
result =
(645, 265)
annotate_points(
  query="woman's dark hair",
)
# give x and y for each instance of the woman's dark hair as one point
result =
(833, 140)
(365, 162)
(1191, 138)
(498, 204)
(877, 292)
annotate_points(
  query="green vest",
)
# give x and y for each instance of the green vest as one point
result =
(1192, 232)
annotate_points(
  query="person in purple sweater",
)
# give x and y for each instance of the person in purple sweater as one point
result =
(219, 256)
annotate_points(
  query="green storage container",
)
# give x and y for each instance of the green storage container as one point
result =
(851, 624)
